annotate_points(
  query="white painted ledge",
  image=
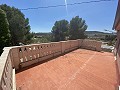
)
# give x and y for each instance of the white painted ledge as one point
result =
(14, 80)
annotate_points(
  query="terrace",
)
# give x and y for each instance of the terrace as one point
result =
(66, 65)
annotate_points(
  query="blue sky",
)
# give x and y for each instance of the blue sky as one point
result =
(98, 16)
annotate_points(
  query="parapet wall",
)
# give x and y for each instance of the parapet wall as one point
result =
(6, 70)
(21, 56)
(117, 53)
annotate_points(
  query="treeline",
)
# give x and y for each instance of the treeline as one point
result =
(111, 39)
(4, 31)
(14, 27)
(64, 30)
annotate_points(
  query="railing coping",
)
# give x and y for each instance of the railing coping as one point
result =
(92, 40)
(12, 47)
(3, 59)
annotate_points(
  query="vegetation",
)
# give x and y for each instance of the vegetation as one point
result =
(110, 39)
(77, 28)
(60, 30)
(63, 30)
(4, 31)
(18, 25)
(19, 29)
(41, 38)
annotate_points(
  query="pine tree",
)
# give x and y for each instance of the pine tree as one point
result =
(4, 31)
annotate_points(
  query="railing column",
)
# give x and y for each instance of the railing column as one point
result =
(16, 59)
(63, 46)
(98, 46)
(80, 42)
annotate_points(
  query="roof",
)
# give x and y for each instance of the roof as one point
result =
(116, 24)
(78, 70)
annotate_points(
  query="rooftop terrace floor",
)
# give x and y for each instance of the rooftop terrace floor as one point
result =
(78, 70)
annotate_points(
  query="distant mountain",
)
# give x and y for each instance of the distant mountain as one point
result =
(96, 33)
(88, 33)
(43, 33)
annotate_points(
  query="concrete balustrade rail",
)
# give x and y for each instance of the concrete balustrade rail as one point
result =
(6, 70)
(21, 56)
(91, 44)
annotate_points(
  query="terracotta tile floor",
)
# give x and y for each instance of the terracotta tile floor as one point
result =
(78, 70)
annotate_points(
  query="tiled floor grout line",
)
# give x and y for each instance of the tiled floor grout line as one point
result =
(75, 74)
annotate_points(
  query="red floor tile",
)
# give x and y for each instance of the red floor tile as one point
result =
(78, 70)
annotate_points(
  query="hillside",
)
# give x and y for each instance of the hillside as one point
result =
(96, 33)
(86, 32)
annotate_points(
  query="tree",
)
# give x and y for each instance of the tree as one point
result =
(60, 30)
(18, 25)
(77, 28)
(110, 37)
(4, 31)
